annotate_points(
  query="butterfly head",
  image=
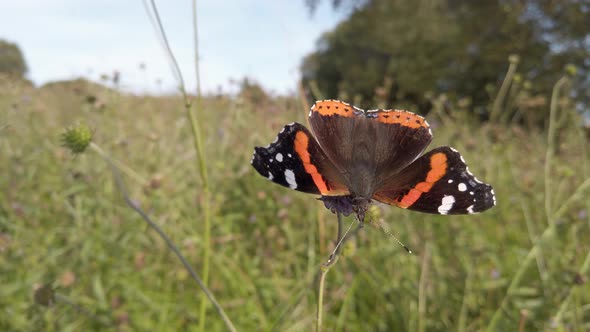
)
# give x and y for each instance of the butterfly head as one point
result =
(347, 205)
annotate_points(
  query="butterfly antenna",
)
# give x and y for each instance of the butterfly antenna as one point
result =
(387, 231)
(340, 241)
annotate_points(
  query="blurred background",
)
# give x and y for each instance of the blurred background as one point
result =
(504, 82)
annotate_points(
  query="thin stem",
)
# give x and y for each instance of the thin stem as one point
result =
(82, 310)
(556, 321)
(578, 193)
(203, 171)
(197, 141)
(564, 304)
(323, 272)
(302, 97)
(422, 288)
(339, 234)
(551, 145)
(464, 306)
(126, 169)
(497, 106)
(196, 47)
(524, 314)
(549, 231)
(324, 268)
(315, 90)
(121, 187)
(551, 217)
(162, 36)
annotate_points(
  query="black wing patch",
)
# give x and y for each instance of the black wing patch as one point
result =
(439, 182)
(296, 161)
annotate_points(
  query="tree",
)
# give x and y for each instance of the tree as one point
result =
(450, 46)
(12, 62)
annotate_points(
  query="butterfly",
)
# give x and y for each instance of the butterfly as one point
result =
(352, 157)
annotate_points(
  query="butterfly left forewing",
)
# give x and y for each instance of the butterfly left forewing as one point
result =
(295, 160)
(439, 182)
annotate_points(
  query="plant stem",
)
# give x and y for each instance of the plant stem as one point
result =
(126, 169)
(323, 272)
(497, 106)
(197, 141)
(583, 270)
(82, 310)
(461, 326)
(551, 145)
(198, 145)
(422, 288)
(550, 230)
(169, 243)
(324, 268)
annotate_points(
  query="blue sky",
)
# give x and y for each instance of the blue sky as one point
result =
(262, 39)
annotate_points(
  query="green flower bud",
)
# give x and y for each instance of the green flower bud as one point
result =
(571, 70)
(77, 138)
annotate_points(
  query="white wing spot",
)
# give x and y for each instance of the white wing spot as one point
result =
(270, 160)
(450, 181)
(275, 140)
(453, 149)
(289, 155)
(290, 177)
(270, 177)
(471, 193)
(470, 209)
(310, 112)
(279, 157)
(446, 204)
(461, 187)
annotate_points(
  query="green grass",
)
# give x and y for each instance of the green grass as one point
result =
(61, 216)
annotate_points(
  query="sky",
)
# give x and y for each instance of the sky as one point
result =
(264, 40)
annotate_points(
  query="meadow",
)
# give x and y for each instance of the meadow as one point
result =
(64, 226)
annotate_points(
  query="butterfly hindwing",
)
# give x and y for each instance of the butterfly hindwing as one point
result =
(296, 161)
(439, 182)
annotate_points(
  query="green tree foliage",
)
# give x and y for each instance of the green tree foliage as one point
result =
(446, 46)
(12, 62)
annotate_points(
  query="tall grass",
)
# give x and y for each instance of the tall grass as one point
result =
(63, 223)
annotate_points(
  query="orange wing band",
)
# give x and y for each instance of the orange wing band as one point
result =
(438, 168)
(301, 145)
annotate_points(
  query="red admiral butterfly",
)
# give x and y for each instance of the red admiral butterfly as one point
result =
(356, 156)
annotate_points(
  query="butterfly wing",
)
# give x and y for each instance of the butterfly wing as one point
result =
(295, 160)
(368, 147)
(439, 182)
